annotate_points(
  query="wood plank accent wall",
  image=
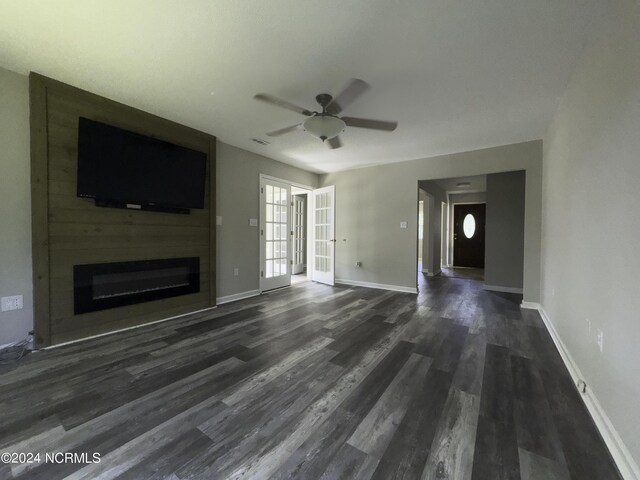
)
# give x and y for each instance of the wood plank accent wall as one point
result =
(68, 230)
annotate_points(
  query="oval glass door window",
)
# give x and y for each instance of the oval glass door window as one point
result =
(469, 225)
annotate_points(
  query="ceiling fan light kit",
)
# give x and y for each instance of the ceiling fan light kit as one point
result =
(326, 125)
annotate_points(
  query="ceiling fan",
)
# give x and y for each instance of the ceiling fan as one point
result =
(326, 124)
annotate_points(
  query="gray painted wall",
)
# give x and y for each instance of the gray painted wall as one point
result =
(371, 203)
(15, 205)
(591, 258)
(238, 199)
(433, 245)
(504, 232)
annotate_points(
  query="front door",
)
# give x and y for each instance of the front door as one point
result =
(275, 234)
(468, 235)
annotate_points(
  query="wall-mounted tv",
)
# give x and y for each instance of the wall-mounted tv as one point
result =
(123, 169)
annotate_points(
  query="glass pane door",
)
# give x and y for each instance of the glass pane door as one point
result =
(275, 234)
(324, 235)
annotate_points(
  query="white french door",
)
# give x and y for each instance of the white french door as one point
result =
(324, 241)
(275, 234)
(299, 234)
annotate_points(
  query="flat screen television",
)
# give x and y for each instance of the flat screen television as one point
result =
(123, 169)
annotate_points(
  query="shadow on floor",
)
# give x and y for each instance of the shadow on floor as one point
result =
(463, 272)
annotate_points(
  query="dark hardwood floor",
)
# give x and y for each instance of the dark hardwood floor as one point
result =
(311, 382)
(468, 273)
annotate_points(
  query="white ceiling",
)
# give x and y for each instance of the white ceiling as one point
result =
(456, 75)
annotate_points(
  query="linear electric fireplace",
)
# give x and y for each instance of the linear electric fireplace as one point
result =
(108, 285)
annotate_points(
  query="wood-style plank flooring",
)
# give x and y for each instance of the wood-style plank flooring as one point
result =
(311, 382)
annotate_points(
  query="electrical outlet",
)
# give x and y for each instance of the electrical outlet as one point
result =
(12, 303)
(358, 264)
(236, 272)
(600, 340)
(403, 224)
(582, 386)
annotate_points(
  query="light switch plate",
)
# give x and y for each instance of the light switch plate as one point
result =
(600, 339)
(219, 220)
(403, 224)
(12, 303)
(253, 222)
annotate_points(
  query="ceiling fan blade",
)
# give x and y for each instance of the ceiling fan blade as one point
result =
(368, 123)
(349, 94)
(278, 102)
(282, 131)
(334, 143)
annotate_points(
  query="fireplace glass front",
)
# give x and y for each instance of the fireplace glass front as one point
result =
(108, 285)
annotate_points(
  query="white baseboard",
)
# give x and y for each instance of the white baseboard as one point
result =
(237, 296)
(381, 286)
(530, 305)
(622, 457)
(498, 288)
(430, 273)
(84, 339)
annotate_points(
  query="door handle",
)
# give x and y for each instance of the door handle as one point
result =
(333, 240)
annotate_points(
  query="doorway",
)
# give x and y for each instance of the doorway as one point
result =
(442, 197)
(469, 235)
(428, 243)
(444, 234)
(274, 231)
(299, 234)
(420, 232)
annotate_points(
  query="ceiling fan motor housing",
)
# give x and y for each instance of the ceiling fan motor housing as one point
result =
(324, 99)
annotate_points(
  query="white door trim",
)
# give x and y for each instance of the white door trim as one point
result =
(284, 180)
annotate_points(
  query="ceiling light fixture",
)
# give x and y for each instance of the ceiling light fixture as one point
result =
(327, 125)
(463, 185)
(324, 126)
